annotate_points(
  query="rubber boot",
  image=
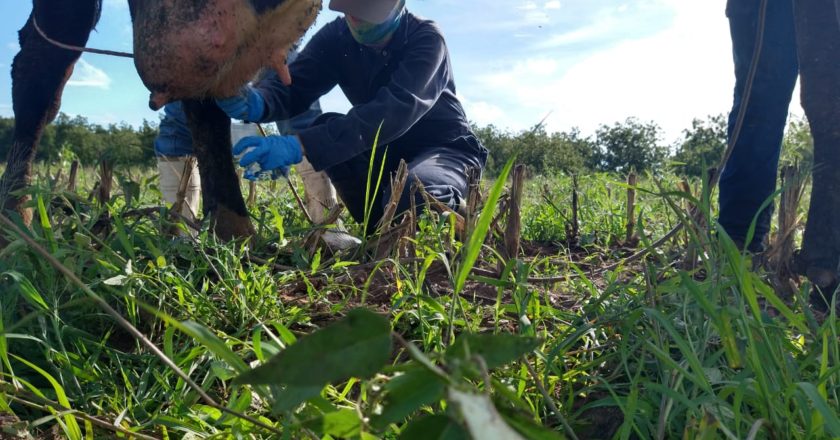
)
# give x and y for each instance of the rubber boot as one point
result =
(320, 197)
(171, 169)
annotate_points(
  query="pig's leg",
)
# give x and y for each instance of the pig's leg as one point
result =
(223, 202)
(39, 72)
(818, 39)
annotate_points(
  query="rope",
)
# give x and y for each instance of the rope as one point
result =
(78, 48)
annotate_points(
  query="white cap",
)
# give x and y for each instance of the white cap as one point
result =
(371, 11)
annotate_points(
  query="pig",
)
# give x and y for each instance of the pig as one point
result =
(190, 50)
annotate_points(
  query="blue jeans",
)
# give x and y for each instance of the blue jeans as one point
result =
(440, 168)
(749, 177)
(174, 138)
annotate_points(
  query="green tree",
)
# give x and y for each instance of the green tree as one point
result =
(125, 146)
(702, 146)
(77, 134)
(543, 153)
(7, 128)
(798, 145)
(69, 138)
(631, 144)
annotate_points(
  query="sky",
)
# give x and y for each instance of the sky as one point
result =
(576, 63)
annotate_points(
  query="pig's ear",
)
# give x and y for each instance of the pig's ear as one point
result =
(278, 62)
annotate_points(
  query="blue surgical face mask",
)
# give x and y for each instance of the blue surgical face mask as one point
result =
(371, 34)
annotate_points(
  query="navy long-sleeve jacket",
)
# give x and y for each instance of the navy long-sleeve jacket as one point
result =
(407, 86)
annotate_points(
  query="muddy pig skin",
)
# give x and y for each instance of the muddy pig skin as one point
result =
(210, 48)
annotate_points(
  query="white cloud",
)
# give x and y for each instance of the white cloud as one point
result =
(599, 29)
(553, 4)
(13, 46)
(88, 75)
(682, 72)
(483, 113)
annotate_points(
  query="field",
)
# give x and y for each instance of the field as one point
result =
(426, 335)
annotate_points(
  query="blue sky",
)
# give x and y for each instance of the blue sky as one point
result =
(586, 62)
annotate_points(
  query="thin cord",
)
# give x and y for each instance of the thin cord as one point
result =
(78, 48)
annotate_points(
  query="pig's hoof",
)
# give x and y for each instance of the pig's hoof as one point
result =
(821, 277)
(228, 225)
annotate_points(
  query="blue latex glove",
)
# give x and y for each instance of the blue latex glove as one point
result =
(248, 105)
(267, 154)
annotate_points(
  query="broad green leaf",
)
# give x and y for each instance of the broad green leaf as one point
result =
(358, 345)
(408, 392)
(436, 427)
(344, 423)
(291, 396)
(496, 350)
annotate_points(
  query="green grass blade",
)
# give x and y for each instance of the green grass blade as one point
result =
(72, 429)
(476, 240)
(370, 195)
(829, 414)
(204, 336)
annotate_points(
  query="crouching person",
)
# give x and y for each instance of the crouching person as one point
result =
(174, 151)
(394, 68)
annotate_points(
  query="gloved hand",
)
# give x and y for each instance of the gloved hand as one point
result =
(248, 105)
(271, 153)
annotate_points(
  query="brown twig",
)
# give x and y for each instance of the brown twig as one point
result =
(630, 231)
(103, 195)
(513, 228)
(47, 405)
(74, 173)
(186, 176)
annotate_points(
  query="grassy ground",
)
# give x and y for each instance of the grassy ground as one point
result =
(554, 343)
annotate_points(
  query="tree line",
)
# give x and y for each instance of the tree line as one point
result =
(630, 144)
(70, 138)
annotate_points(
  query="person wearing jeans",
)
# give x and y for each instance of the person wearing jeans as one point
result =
(749, 177)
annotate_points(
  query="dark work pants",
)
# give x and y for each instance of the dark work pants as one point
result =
(440, 168)
(749, 177)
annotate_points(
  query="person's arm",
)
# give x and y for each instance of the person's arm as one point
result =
(174, 137)
(413, 90)
(312, 77)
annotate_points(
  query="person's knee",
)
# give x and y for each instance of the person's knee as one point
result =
(166, 146)
(447, 192)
